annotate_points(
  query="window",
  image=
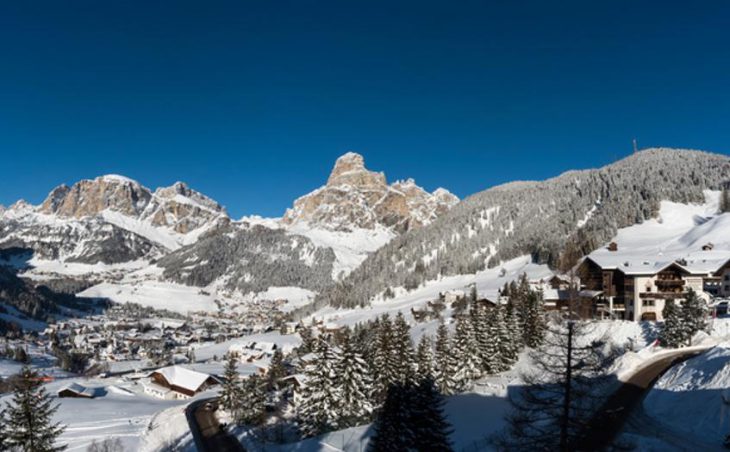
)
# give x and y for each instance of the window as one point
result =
(727, 288)
(649, 303)
(727, 276)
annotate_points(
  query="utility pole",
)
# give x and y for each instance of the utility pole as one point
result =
(566, 400)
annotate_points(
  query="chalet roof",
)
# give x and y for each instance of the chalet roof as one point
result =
(640, 266)
(82, 390)
(182, 377)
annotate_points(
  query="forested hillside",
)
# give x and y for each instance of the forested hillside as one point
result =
(554, 221)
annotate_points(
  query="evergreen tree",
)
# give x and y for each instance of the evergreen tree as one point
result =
(514, 325)
(354, 386)
(424, 358)
(412, 419)
(505, 341)
(490, 348)
(29, 425)
(533, 319)
(561, 391)
(277, 370)
(319, 410)
(672, 333)
(694, 315)
(486, 350)
(473, 294)
(252, 400)
(444, 362)
(230, 395)
(466, 354)
(392, 427)
(305, 332)
(430, 428)
(404, 356)
(384, 361)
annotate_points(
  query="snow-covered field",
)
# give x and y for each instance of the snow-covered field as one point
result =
(159, 295)
(123, 412)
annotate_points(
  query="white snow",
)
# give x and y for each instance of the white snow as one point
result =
(351, 248)
(156, 294)
(700, 387)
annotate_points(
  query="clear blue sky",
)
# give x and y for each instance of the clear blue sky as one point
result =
(250, 102)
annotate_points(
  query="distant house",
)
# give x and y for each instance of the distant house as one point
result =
(79, 391)
(176, 382)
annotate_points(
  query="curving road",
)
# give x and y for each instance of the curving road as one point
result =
(207, 433)
(606, 425)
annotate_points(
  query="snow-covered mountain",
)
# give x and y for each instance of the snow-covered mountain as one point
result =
(554, 221)
(356, 198)
(109, 220)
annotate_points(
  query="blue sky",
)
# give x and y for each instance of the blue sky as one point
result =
(250, 102)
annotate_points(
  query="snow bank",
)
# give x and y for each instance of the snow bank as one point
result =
(697, 386)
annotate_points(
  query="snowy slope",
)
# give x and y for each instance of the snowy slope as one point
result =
(701, 387)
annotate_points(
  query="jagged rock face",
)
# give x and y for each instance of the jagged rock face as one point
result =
(110, 219)
(355, 197)
(182, 209)
(90, 197)
(177, 207)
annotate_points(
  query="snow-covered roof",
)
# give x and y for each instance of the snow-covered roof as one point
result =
(82, 390)
(637, 265)
(182, 377)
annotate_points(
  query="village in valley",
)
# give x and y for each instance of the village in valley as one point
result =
(142, 355)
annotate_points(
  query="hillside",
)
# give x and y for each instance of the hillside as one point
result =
(577, 211)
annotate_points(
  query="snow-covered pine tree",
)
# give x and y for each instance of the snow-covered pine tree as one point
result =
(444, 368)
(404, 355)
(514, 325)
(694, 315)
(533, 319)
(491, 349)
(319, 410)
(507, 348)
(253, 398)
(305, 332)
(672, 333)
(355, 386)
(424, 358)
(568, 367)
(383, 360)
(230, 395)
(486, 349)
(467, 366)
(430, 428)
(28, 417)
(277, 370)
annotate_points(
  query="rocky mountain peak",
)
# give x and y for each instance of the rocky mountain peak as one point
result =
(350, 169)
(182, 209)
(355, 197)
(90, 197)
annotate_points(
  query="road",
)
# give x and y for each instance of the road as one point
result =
(207, 432)
(606, 425)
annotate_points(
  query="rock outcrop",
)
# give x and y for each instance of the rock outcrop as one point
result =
(355, 197)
